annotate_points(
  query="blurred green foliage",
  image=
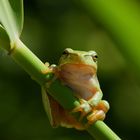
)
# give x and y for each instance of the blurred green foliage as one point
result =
(50, 27)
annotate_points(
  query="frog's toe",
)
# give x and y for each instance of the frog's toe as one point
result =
(103, 105)
(84, 108)
(47, 64)
(96, 115)
(53, 66)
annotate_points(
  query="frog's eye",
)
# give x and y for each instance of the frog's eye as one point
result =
(65, 52)
(95, 57)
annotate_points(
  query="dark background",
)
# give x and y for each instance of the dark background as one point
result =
(50, 26)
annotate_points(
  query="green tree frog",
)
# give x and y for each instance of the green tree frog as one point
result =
(78, 71)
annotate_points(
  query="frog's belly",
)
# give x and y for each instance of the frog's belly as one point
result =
(81, 78)
(83, 89)
(84, 86)
(83, 93)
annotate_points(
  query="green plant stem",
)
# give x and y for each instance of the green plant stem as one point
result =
(99, 130)
(35, 68)
(31, 64)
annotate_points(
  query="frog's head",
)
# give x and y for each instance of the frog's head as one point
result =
(70, 56)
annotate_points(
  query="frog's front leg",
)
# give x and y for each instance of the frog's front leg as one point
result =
(84, 108)
(99, 108)
(95, 99)
(51, 68)
(87, 106)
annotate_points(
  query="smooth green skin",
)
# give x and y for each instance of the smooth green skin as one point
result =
(85, 58)
(78, 57)
(70, 56)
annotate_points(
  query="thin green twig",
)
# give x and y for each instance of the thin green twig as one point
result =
(30, 62)
(99, 130)
(34, 67)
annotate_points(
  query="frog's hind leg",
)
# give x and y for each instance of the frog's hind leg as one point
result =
(98, 113)
(57, 115)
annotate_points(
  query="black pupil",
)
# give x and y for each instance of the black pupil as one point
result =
(96, 56)
(65, 52)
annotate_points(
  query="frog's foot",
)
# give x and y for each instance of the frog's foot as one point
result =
(47, 64)
(103, 105)
(93, 117)
(51, 68)
(98, 113)
(84, 108)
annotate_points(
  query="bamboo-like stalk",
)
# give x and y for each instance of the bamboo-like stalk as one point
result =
(35, 68)
(99, 130)
(30, 62)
